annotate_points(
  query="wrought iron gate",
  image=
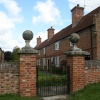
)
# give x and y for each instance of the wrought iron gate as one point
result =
(51, 81)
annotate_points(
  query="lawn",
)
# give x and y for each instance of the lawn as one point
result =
(90, 92)
(17, 97)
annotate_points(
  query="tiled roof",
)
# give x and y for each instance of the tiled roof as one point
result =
(84, 22)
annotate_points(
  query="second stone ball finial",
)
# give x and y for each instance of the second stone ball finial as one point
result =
(74, 38)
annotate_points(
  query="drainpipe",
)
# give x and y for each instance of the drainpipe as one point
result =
(91, 44)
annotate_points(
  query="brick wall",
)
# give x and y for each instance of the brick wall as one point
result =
(9, 80)
(92, 75)
(92, 72)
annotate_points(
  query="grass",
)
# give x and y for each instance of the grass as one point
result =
(90, 92)
(17, 97)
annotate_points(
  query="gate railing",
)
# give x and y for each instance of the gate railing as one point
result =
(9, 67)
(92, 64)
(51, 82)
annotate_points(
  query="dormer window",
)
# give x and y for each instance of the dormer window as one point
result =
(57, 46)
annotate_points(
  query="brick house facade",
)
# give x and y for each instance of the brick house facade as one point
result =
(88, 28)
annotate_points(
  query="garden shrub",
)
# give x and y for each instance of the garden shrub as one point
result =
(52, 81)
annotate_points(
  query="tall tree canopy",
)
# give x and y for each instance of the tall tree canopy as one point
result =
(15, 53)
(7, 56)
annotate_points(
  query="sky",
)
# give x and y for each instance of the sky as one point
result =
(16, 16)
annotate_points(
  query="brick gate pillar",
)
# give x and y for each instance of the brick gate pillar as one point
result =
(76, 64)
(27, 67)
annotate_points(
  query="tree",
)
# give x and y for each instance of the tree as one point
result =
(15, 53)
(7, 56)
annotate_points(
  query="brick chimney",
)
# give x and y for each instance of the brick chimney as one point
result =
(77, 14)
(50, 32)
(38, 41)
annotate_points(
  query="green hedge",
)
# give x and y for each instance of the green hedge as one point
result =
(52, 81)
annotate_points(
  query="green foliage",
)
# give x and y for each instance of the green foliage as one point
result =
(17, 97)
(15, 54)
(47, 79)
(90, 92)
(7, 56)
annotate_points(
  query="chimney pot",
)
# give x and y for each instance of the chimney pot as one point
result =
(50, 32)
(77, 14)
(38, 41)
(78, 5)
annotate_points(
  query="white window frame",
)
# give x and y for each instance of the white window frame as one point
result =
(57, 45)
(38, 61)
(38, 52)
(44, 61)
(44, 50)
(57, 61)
(52, 59)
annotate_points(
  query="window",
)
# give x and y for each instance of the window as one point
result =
(44, 50)
(44, 61)
(57, 61)
(38, 61)
(57, 46)
(52, 61)
(39, 52)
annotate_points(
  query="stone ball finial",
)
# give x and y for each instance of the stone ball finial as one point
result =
(74, 38)
(27, 35)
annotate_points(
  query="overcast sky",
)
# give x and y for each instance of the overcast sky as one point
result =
(16, 16)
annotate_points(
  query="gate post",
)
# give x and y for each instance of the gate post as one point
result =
(27, 67)
(76, 62)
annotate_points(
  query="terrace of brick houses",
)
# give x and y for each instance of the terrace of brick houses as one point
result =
(88, 28)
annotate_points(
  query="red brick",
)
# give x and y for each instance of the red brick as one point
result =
(28, 75)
